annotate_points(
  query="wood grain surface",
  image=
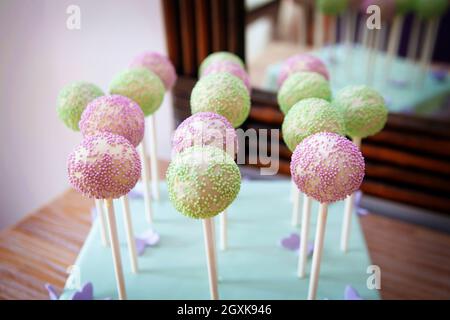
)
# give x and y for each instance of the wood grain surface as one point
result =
(414, 261)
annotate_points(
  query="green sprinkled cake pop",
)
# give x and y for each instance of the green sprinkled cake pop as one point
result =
(302, 85)
(140, 85)
(203, 181)
(224, 94)
(332, 7)
(429, 9)
(219, 56)
(310, 116)
(404, 6)
(73, 99)
(363, 109)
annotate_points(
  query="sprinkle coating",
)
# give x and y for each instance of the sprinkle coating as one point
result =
(327, 167)
(114, 114)
(205, 129)
(224, 94)
(158, 64)
(142, 86)
(363, 109)
(73, 99)
(219, 56)
(301, 62)
(308, 117)
(232, 68)
(202, 181)
(104, 166)
(302, 85)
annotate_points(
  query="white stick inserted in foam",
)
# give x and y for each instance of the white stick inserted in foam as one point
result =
(145, 182)
(431, 31)
(223, 230)
(393, 43)
(130, 234)
(296, 208)
(101, 218)
(348, 211)
(210, 257)
(304, 235)
(115, 248)
(317, 254)
(154, 159)
(413, 42)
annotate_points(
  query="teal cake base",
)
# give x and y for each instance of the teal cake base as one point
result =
(402, 87)
(255, 266)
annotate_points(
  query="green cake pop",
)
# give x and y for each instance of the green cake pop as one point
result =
(332, 7)
(140, 85)
(363, 110)
(310, 116)
(429, 9)
(73, 99)
(224, 94)
(302, 85)
(404, 6)
(220, 56)
(203, 181)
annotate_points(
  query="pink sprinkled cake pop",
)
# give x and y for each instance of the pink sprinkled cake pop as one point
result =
(104, 166)
(230, 67)
(301, 62)
(158, 64)
(327, 167)
(114, 114)
(205, 129)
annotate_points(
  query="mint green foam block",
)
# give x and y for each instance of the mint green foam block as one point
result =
(254, 266)
(400, 84)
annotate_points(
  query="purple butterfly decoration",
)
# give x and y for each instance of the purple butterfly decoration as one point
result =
(439, 75)
(149, 238)
(292, 243)
(350, 293)
(86, 293)
(360, 211)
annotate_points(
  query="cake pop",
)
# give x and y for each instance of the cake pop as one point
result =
(429, 9)
(219, 56)
(205, 129)
(114, 114)
(73, 99)
(404, 6)
(326, 167)
(300, 86)
(363, 110)
(142, 86)
(301, 62)
(202, 182)
(106, 166)
(310, 116)
(332, 7)
(224, 94)
(230, 67)
(158, 64)
(365, 114)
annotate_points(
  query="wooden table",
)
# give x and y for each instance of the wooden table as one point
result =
(414, 261)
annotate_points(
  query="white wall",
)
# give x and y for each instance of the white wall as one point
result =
(38, 56)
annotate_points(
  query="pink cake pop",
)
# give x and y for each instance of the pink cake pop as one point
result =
(114, 114)
(104, 166)
(158, 64)
(327, 167)
(301, 62)
(230, 67)
(205, 129)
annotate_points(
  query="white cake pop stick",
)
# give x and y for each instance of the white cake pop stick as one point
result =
(154, 159)
(318, 29)
(348, 211)
(296, 208)
(393, 42)
(223, 230)
(374, 36)
(293, 191)
(211, 257)
(317, 254)
(130, 235)
(115, 249)
(414, 39)
(101, 218)
(432, 28)
(304, 235)
(145, 182)
(350, 29)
